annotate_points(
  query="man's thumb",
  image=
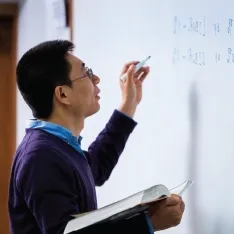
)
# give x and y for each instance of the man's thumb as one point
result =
(172, 201)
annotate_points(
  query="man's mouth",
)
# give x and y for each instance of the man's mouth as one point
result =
(97, 91)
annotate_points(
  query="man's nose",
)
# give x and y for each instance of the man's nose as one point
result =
(96, 80)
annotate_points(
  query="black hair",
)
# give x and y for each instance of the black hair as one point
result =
(39, 71)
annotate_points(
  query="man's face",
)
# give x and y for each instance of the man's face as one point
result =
(83, 96)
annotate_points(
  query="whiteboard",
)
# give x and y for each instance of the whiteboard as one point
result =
(186, 119)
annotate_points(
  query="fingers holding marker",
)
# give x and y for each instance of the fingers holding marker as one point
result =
(130, 73)
(138, 68)
(141, 71)
(126, 67)
(143, 74)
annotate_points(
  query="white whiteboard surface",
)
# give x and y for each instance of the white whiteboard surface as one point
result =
(186, 119)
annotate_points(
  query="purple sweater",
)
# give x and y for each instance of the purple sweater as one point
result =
(50, 180)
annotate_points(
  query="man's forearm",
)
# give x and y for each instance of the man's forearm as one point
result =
(104, 152)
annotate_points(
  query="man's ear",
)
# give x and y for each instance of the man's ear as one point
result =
(62, 94)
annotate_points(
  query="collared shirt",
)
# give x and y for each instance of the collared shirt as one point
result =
(58, 131)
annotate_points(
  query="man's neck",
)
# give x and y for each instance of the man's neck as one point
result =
(74, 125)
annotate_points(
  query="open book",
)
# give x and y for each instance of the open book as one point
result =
(130, 205)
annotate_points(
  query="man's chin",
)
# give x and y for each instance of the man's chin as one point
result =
(94, 111)
(98, 108)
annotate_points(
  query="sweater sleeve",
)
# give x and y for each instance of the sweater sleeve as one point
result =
(104, 152)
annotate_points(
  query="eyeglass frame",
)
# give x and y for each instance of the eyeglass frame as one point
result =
(88, 73)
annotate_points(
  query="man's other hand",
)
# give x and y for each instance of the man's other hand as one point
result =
(166, 213)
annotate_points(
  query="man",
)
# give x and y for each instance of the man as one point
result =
(52, 177)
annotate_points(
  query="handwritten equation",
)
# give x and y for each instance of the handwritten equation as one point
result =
(217, 57)
(200, 57)
(230, 57)
(190, 25)
(195, 57)
(216, 28)
(199, 27)
(229, 28)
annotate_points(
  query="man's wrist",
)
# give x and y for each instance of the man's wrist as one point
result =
(128, 108)
(154, 226)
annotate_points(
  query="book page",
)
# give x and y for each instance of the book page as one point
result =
(154, 193)
(179, 190)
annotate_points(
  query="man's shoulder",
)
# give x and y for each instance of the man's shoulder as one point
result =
(37, 147)
(36, 157)
(37, 140)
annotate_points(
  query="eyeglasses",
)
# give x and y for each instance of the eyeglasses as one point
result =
(88, 73)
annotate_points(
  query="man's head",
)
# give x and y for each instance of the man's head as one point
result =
(52, 80)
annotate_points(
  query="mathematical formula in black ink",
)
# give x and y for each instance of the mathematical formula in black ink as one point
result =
(217, 57)
(190, 25)
(197, 58)
(230, 57)
(229, 28)
(216, 28)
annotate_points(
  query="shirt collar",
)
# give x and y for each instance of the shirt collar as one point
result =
(57, 130)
